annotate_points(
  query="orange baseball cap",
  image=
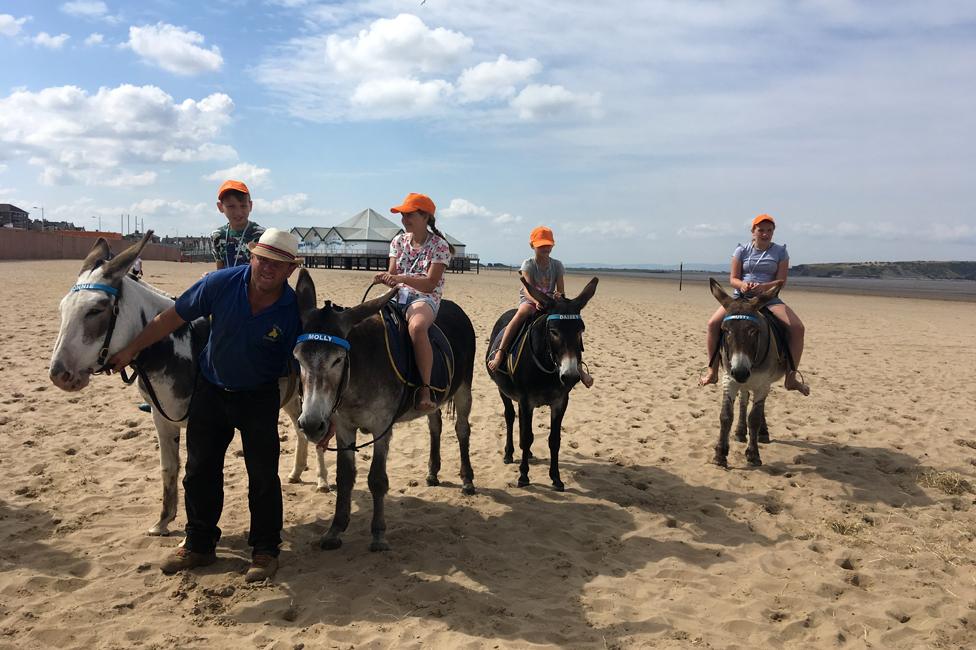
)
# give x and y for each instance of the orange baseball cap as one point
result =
(542, 236)
(232, 185)
(415, 202)
(763, 217)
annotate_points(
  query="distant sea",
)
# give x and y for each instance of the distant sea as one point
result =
(964, 290)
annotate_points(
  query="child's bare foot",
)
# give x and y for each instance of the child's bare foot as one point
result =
(496, 360)
(424, 403)
(792, 383)
(586, 379)
(710, 377)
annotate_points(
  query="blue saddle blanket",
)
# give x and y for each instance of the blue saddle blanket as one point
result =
(399, 347)
(514, 353)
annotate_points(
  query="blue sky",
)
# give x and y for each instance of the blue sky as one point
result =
(642, 133)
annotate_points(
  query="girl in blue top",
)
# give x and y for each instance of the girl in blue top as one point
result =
(756, 267)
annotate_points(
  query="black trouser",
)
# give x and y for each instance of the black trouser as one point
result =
(214, 414)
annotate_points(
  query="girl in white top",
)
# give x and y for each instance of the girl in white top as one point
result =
(755, 268)
(418, 258)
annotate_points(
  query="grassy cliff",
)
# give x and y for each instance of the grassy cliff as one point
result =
(926, 270)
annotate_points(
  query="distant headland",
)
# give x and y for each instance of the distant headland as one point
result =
(903, 270)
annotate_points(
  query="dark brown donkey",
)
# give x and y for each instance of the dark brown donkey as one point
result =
(752, 360)
(544, 367)
(349, 385)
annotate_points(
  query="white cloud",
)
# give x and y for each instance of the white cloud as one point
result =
(890, 232)
(495, 79)
(394, 47)
(463, 208)
(284, 209)
(174, 49)
(44, 39)
(85, 8)
(97, 139)
(287, 204)
(705, 231)
(94, 39)
(605, 228)
(10, 26)
(540, 100)
(399, 97)
(252, 175)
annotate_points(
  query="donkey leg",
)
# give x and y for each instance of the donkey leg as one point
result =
(763, 429)
(740, 423)
(508, 459)
(462, 428)
(379, 485)
(345, 479)
(434, 425)
(725, 426)
(556, 412)
(525, 440)
(294, 409)
(168, 435)
(755, 418)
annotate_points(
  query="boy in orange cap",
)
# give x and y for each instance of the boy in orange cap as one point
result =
(545, 273)
(230, 241)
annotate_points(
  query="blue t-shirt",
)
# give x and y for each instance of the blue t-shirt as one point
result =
(757, 265)
(244, 351)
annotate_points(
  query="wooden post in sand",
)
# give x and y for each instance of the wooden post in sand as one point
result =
(681, 274)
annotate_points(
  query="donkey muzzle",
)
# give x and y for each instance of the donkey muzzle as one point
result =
(66, 379)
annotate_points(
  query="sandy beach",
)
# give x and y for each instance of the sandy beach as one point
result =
(858, 530)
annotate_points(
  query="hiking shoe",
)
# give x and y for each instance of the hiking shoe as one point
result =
(183, 558)
(262, 566)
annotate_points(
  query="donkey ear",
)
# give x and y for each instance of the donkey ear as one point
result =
(305, 292)
(354, 315)
(719, 293)
(762, 299)
(98, 253)
(587, 293)
(119, 265)
(544, 301)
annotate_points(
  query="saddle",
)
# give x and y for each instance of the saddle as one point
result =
(399, 350)
(513, 356)
(781, 334)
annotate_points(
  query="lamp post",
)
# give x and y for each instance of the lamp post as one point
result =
(99, 217)
(43, 220)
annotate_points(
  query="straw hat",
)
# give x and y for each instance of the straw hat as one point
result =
(276, 245)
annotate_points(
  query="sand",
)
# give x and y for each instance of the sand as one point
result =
(856, 532)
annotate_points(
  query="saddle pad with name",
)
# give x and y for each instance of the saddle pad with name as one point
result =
(399, 347)
(514, 354)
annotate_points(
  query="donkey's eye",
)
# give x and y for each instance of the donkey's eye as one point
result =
(94, 312)
(336, 362)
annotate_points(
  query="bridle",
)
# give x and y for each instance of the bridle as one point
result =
(102, 361)
(552, 357)
(758, 321)
(116, 294)
(345, 345)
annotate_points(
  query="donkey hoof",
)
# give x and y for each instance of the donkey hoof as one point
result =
(330, 543)
(721, 461)
(740, 437)
(508, 459)
(432, 480)
(323, 487)
(468, 488)
(523, 481)
(755, 461)
(558, 486)
(378, 545)
(294, 478)
(763, 438)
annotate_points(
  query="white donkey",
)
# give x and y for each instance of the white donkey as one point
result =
(106, 309)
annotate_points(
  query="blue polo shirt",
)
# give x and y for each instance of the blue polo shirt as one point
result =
(244, 351)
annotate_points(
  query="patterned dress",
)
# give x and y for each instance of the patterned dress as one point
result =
(415, 262)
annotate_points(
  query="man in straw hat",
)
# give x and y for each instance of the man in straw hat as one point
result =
(254, 324)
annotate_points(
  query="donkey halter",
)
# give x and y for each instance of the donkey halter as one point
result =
(116, 294)
(754, 319)
(339, 342)
(552, 357)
